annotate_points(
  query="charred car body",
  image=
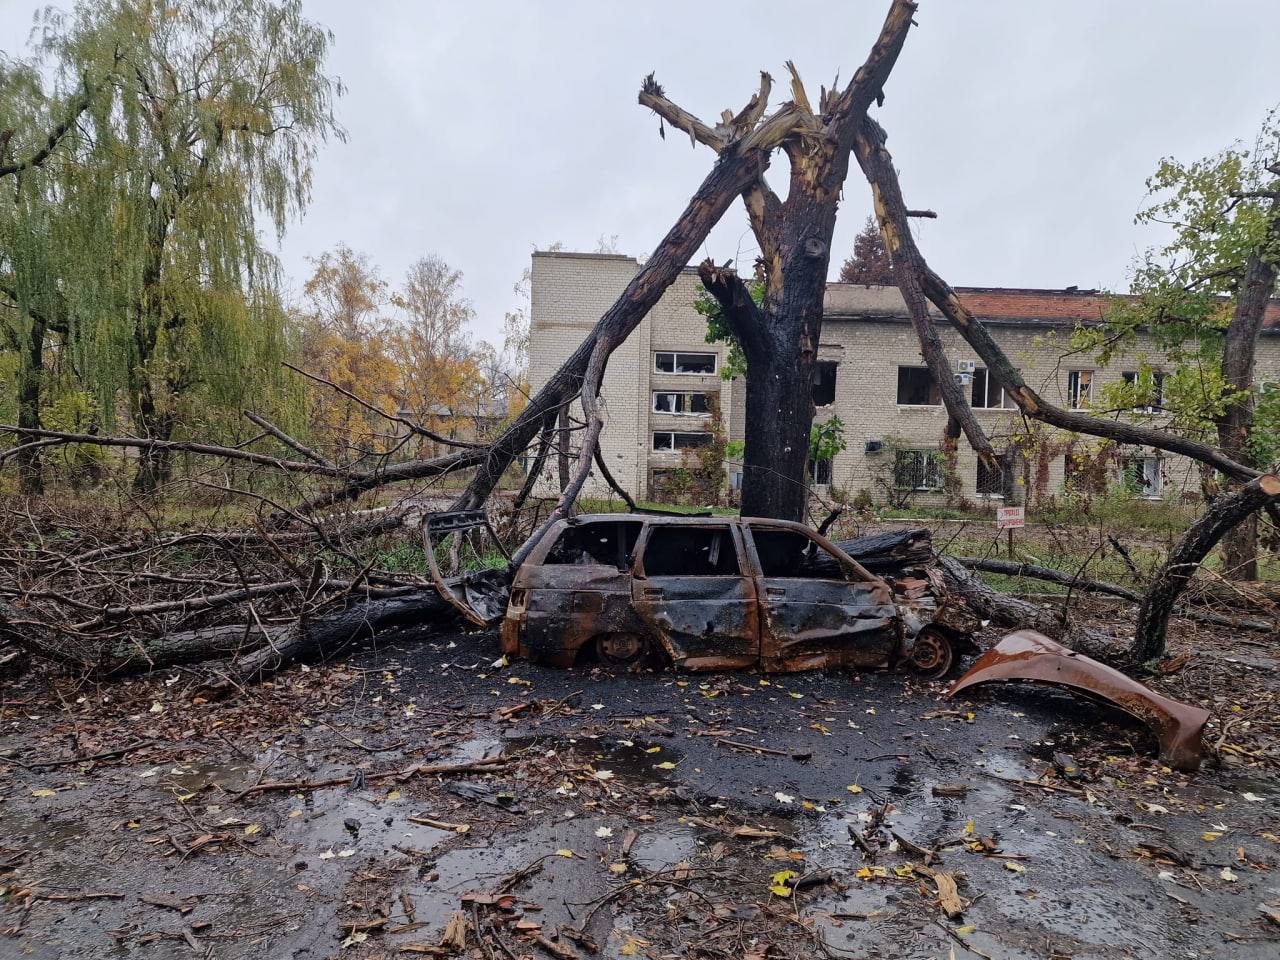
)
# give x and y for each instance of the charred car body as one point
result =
(710, 593)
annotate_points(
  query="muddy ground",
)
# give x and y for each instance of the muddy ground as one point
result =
(649, 815)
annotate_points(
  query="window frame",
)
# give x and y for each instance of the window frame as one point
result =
(934, 388)
(1006, 479)
(818, 367)
(1140, 461)
(640, 572)
(653, 440)
(675, 362)
(931, 454)
(1073, 389)
(1132, 377)
(679, 393)
(988, 382)
(815, 469)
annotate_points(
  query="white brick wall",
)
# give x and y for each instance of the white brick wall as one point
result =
(571, 291)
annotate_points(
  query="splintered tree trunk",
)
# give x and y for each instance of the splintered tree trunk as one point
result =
(780, 378)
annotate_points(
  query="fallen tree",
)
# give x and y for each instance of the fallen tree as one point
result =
(1017, 568)
(911, 271)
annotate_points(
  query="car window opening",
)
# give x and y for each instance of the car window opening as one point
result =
(604, 543)
(788, 553)
(690, 552)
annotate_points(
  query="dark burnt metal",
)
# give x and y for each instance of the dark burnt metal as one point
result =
(1027, 655)
(476, 605)
(710, 593)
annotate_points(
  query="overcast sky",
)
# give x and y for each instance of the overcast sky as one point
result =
(484, 129)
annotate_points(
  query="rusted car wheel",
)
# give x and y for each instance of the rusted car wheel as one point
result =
(621, 649)
(932, 653)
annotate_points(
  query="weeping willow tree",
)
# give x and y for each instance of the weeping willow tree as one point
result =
(203, 129)
(45, 220)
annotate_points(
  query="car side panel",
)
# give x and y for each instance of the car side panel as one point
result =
(704, 623)
(813, 624)
(557, 608)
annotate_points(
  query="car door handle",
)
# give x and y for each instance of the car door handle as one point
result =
(651, 593)
(775, 591)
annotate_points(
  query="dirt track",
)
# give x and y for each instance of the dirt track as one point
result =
(1123, 859)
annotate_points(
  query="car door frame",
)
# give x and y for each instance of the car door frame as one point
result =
(816, 622)
(731, 599)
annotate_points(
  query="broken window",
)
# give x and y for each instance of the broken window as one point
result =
(1149, 389)
(604, 543)
(680, 551)
(789, 553)
(679, 402)
(986, 392)
(1143, 476)
(916, 388)
(824, 383)
(917, 470)
(994, 481)
(670, 440)
(703, 363)
(1080, 389)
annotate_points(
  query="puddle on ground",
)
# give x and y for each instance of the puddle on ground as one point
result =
(633, 761)
(193, 777)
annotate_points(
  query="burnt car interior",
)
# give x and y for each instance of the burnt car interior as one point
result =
(787, 553)
(691, 552)
(606, 543)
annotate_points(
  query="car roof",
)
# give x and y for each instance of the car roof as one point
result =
(656, 519)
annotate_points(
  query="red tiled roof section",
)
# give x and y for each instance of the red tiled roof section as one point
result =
(1053, 306)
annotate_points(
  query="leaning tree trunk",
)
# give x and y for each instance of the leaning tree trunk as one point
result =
(1240, 553)
(1184, 560)
(735, 169)
(891, 212)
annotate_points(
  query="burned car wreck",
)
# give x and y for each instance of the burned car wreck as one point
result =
(709, 593)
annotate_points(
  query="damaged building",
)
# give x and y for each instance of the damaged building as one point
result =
(667, 395)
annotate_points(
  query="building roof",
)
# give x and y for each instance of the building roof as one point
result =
(1014, 306)
(1011, 306)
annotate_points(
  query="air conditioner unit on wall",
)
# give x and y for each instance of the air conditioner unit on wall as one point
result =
(963, 379)
(968, 366)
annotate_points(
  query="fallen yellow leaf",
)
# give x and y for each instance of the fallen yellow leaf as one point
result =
(778, 885)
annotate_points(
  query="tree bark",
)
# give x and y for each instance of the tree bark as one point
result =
(781, 345)
(1240, 553)
(738, 166)
(1185, 559)
(30, 377)
(1014, 568)
(892, 214)
(1009, 611)
(562, 447)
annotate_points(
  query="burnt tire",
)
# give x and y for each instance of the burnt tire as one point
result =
(622, 649)
(932, 653)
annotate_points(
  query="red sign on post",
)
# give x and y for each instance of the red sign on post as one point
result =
(1009, 518)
